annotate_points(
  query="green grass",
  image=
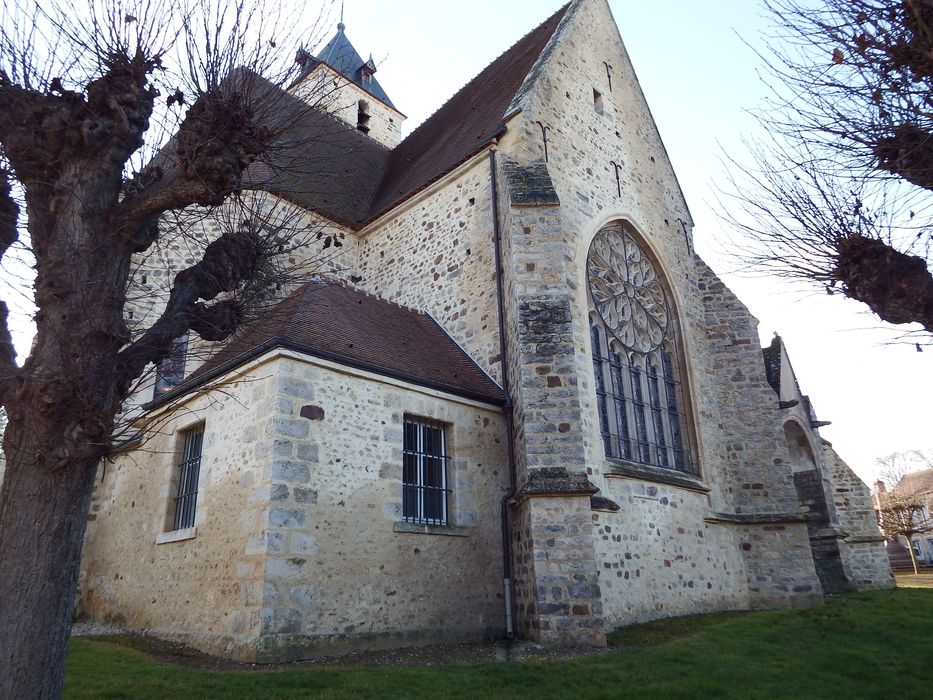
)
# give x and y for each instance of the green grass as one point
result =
(862, 645)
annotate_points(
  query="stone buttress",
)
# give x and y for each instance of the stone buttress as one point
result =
(556, 576)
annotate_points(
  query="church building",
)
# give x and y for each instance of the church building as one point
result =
(517, 404)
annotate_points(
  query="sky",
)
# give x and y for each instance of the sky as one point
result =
(700, 74)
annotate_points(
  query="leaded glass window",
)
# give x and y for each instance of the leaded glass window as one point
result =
(632, 330)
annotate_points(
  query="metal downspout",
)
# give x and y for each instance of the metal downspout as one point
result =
(509, 421)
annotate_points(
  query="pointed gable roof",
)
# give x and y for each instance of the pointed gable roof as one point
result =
(328, 319)
(465, 124)
(340, 55)
(916, 483)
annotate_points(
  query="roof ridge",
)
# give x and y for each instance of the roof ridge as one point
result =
(464, 124)
(476, 77)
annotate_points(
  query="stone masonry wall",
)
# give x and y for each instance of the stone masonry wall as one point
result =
(756, 458)
(753, 446)
(328, 90)
(659, 558)
(556, 552)
(563, 600)
(206, 589)
(864, 556)
(343, 570)
(300, 546)
(437, 255)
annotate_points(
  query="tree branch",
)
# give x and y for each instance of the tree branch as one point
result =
(202, 165)
(229, 261)
(908, 153)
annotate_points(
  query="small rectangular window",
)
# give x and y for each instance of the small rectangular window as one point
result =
(188, 472)
(171, 370)
(598, 101)
(424, 472)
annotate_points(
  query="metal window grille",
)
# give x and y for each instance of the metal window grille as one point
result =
(638, 400)
(188, 471)
(424, 472)
(171, 370)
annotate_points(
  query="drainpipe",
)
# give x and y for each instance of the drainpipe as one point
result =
(509, 420)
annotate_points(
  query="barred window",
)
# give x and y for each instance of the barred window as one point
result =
(188, 472)
(632, 330)
(424, 472)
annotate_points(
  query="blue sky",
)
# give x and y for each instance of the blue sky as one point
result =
(700, 75)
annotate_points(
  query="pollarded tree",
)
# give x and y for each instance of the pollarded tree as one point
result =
(904, 507)
(113, 116)
(904, 515)
(842, 194)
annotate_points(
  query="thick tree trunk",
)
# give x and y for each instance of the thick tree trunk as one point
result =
(43, 511)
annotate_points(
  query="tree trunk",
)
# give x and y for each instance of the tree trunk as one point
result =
(913, 559)
(43, 512)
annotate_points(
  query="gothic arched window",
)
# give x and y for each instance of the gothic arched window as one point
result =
(639, 394)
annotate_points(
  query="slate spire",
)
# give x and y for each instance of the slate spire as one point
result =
(340, 55)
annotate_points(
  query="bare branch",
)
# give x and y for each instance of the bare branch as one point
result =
(228, 262)
(842, 191)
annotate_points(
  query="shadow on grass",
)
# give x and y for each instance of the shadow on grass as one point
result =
(668, 630)
(855, 646)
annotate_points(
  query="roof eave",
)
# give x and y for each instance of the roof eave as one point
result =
(273, 343)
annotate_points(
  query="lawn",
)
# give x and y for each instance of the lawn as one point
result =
(861, 645)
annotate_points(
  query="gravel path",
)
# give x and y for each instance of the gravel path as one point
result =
(90, 629)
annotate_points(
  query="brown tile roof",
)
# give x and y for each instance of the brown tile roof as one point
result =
(917, 483)
(464, 125)
(326, 318)
(316, 161)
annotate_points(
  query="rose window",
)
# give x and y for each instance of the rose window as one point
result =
(626, 291)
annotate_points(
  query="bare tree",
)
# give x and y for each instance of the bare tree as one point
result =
(841, 193)
(894, 467)
(115, 117)
(903, 515)
(904, 510)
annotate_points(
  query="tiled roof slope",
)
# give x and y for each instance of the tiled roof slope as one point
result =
(916, 483)
(464, 125)
(326, 318)
(317, 161)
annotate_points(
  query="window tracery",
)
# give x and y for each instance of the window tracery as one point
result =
(635, 355)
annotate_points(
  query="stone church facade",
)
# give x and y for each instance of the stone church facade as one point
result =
(519, 403)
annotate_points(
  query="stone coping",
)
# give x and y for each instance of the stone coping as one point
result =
(754, 518)
(554, 481)
(603, 503)
(422, 529)
(627, 470)
(859, 539)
